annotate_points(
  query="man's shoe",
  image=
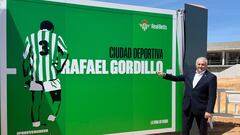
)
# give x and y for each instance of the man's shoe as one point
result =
(51, 118)
(36, 124)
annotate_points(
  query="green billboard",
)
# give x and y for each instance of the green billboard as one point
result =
(89, 68)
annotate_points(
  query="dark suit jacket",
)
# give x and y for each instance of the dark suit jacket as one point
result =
(202, 98)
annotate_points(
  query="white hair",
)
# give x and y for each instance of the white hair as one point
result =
(202, 58)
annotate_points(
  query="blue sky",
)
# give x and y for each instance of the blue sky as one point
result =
(223, 15)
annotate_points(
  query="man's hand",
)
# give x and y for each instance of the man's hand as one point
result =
(160, 73)
(27, 84)
(207, 115)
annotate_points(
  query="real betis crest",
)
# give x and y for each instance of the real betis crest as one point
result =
(144, 25)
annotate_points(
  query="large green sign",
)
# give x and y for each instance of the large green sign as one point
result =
(89, 68)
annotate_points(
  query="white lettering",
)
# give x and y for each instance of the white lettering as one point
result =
(82, 65)
(89, 66)
(74, 67)
(66, 68)
(113, 69)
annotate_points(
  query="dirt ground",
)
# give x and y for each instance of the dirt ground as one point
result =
(224, 125)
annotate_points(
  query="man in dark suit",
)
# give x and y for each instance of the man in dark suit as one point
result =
(199, 95)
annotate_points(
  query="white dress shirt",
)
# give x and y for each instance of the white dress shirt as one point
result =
(197, 77)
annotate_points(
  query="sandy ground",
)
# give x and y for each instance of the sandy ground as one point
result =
(224, 125)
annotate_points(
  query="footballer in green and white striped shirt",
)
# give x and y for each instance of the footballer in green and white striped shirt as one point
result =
(42, 48)
(41, 64)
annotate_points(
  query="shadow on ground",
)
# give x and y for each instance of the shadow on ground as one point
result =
(219, 129)
(222, 127)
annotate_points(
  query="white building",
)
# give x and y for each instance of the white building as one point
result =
(223, 55)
